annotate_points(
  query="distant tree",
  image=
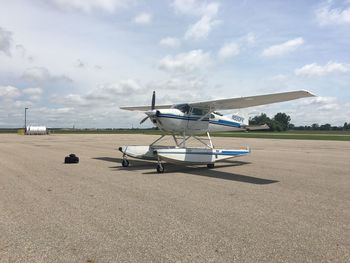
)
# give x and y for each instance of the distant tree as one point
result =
(282, 120)
(325, 127)
(260, 120)
(275, 126)
(315, 126)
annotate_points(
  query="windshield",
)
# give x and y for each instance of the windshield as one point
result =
(185, 108)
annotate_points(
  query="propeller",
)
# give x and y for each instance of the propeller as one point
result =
(153, 106)
(144, 119)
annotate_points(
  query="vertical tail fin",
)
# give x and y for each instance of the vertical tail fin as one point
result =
(241, 117)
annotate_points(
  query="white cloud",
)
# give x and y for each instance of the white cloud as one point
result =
(185, 62)
(65, 34)
(250, 38)
(196, 7)
(41, 74)
(24, 53)
(229, 50)
(210, 9)
(180, 89)
(80, 64)
(201, 28)
(319, 70)
(100, 106)
(234, 48)
(37, 74)
(75, 100)
(279, 77)
(103, 95)
(33, 91)
(185, 6)
(120, 88)
(284, 48)
(337, 16)
(317, 101)
(176, 84)
(332, 111)
(20, 104)
(143, 18)
(172, 42)
(87, 6)
(8, 92)
(207, 11)
(5, 41)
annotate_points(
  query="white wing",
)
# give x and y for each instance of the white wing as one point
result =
(246, 102)
(145, 108)
(236, 103)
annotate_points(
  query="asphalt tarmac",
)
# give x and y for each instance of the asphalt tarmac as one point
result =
(289, 201)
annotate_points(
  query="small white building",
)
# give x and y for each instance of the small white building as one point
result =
(36, 130)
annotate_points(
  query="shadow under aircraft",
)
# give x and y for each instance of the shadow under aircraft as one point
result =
(139, 165)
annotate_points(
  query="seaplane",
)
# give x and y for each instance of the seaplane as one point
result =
(192, 120)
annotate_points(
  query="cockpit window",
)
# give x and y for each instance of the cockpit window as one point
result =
(197, 111)
(185, 108)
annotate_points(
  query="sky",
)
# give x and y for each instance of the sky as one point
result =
(74, 62)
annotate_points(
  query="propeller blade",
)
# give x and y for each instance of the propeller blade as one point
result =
(144, 119)
(153, 100)
(153, 105)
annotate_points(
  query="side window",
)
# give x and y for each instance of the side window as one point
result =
(196, 111)
(212, 116)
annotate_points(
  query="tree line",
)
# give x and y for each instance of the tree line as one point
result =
(282, 122)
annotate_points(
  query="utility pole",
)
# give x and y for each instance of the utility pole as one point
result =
(25, 120)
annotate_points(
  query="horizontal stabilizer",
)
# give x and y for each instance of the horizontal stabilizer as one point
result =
(258, 127)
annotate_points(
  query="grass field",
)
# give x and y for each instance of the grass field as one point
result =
(293, 134)
(296, 134)
(299, 135)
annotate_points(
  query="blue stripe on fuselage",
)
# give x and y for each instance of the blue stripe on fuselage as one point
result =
(212, 153)
(225, 123)
(192, 118)
(173, 116)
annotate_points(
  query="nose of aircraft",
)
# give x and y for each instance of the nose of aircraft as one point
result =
(151, 113)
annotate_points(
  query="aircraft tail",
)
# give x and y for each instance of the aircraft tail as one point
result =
(241, 117)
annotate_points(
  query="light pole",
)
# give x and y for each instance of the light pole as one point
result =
(25, 120)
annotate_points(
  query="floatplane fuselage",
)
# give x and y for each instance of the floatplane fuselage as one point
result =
(188, 120)
(184, 119)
